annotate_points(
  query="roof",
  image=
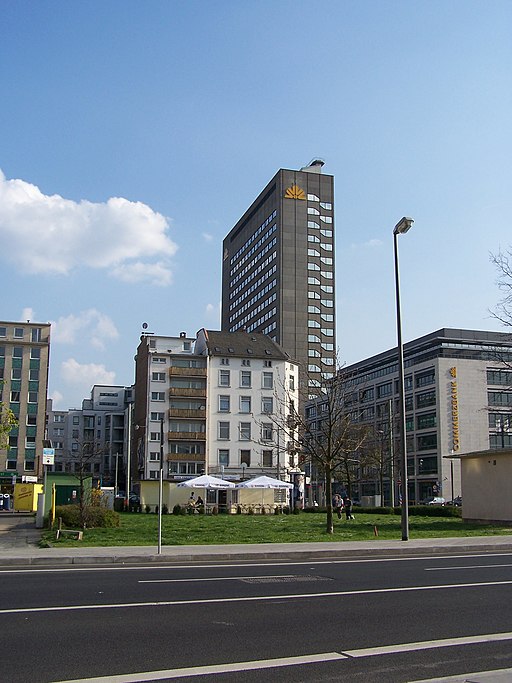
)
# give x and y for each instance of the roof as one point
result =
(243, 345)
(489, 453)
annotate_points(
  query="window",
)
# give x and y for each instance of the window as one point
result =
(33, 374)
(267, 380)
(326, 205)
(224, 361)
(32, 420)
(385, 390)
(245, 404)
(313, 323)
(313, 266)
(224, 378)
(313, 338)
(245, 431)
(158, 395)
(499, 398)
(292, 383)
(425, 378)
(3, 331)
(158, 376)
(154, 417)
(158, 359)
(35, 352)
(36, 334)
(427, 420)
(154, 436)
(245, 378)
(16, 373)
(313, 295)
(267, 363)
(313, 198)
(312, 211)
(223, 430)
(245, 458)
(224, 457)
(313, 281)
(58, 431)
(224, 406)
(313, 252)
(18, 332)
(17, 352)
(267, 432)
(499, 377)
(427, 442)
(267, 404)
(15, 396)
(425, 399)
(326, 219)
(266, 456)
(32, 396)
(154, 456)
(314, 238)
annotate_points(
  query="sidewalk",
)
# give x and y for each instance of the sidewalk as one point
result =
(19, 537)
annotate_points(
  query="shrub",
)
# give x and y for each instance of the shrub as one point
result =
(238, 509)
(176, 509)
(296, 510)
(147, 509)
(278, 510)
(215, 510)
(95, 516)
(165, 510)
(286, 510)
(263, 510)
(250, 511)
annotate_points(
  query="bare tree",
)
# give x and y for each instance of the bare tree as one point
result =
(327, 433)
(503, 262)
(377, 458)
(84, 455)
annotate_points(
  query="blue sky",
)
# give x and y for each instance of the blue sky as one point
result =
(133, 135)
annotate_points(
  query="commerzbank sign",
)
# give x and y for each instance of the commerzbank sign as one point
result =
(454, 399)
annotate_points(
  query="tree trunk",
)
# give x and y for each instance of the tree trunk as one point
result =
(328, 495)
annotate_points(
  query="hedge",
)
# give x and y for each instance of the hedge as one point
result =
(95, 516)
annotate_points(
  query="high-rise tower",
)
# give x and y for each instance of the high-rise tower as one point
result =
(278, 268)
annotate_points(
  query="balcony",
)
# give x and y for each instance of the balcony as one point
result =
(187, 372)
(187, 412)
(179, 391)
(187, 436)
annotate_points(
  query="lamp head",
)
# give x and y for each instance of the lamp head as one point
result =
(403, 225)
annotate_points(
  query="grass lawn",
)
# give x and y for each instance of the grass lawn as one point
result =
(142, 529)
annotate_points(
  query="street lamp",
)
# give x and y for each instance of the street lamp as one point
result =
(160, 485)
(403, 226)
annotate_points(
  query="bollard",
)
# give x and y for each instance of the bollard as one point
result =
(375, 531)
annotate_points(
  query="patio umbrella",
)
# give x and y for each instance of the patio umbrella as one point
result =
(264, 482)
(206, 481)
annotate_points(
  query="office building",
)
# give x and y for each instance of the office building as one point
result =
(93, 438)
(24, 358)
(458, 386)
(278, 268)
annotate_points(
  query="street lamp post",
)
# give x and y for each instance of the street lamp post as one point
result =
(403, 225)
(160, 486)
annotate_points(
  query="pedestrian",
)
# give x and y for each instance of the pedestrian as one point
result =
(337, 503)
(348, 509)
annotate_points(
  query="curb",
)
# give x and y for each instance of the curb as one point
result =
(268, 555)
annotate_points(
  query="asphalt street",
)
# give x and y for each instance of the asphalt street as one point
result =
(429, 610)
(379, 619)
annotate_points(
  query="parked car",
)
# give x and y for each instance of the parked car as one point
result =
(437, 500)
(457, 502)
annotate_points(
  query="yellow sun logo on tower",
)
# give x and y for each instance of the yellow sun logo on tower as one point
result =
(295, 192)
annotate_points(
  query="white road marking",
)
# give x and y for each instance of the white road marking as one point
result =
(293, 661)
(220, 578)
(255, 598)
(469, 566)
(211, 669)
(241, 565)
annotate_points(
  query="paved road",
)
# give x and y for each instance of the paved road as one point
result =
(375, 619)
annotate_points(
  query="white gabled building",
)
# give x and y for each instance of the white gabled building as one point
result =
(252, 386)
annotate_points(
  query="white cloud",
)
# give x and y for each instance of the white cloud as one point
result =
(207, 237)
(27, 314)
(370, 244)
(57, 398)
(53, 235)
(97, 327)
(155, 273)
(82, 377)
